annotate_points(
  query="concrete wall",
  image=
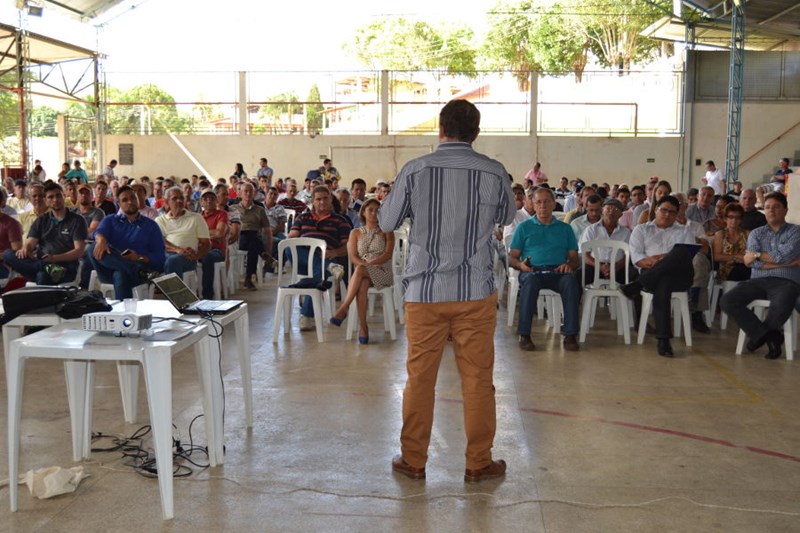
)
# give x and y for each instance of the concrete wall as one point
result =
(374, 157)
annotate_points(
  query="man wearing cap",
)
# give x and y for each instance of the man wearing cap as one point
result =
(77, 173)
(127, 246)
(185, 234)
(594, 210)
(545, 252)
(55, 243)
(606, 229)
(19, 202)
(86, 208)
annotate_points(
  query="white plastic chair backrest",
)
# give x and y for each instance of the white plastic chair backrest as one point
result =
(315, 246)
(559, 215)
(290, 214)
(512, 272)
(400, 252)
(614, 247)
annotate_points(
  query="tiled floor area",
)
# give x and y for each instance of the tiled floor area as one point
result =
(612, 438)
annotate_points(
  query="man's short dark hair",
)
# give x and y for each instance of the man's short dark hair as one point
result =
(594, 199)
(692, 192)
(637, 188)
(358, 181)
(125, 188)
(669, 199)
(778, 196)
(547, 190)
(710, 162)
(320, 188)
(460, 119)
(205, 183)
(51, 186)
(785, 160)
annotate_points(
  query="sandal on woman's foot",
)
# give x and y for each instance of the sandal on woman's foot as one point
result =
(336, 321)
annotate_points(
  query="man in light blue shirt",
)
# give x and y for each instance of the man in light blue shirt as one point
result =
(773, 252)
(454, 197)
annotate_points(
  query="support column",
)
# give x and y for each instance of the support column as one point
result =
(735, 91)
(533, 119)
(384, 102)
(242, 102)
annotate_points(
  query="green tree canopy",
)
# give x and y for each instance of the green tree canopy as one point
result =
(314, 111)
(401, 44)
(43, 122)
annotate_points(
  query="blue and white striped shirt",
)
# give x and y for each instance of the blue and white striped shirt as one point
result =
(455, 197)
(783, 247)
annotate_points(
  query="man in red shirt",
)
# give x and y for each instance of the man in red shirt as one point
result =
(10, 235)
(217, 222)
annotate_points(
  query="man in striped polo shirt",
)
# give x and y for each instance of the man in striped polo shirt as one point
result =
(320, 222)
(455, 197)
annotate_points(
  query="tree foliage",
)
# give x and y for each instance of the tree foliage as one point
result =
(314, 111)
(401, 44)
(43, 121)
(284, 105)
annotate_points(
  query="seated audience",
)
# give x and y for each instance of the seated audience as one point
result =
(77, 173)
(545, 252)
(663, 267)
(524, 212)
(752, 218)
(185, 234)
(10, 236)
(370, 251)
(55, 243)
(320, 222)
(701, 263)
(19, 201)
(648, 210)
(291, 201)
(593, 205)
(101, 200)
(85, 207)
(358, 191)
(218, 229)
(703, 210)
(607, 228)
(773, 252)
(128, 246)
(141, 197)
(277, 222)
(36, 196)
(730, 245)
(712, 226)
(255, 233)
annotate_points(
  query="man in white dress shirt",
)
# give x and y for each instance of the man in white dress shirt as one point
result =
(607, 229)
(663, 267)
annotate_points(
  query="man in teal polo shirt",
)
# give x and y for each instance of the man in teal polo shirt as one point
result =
(545, 252)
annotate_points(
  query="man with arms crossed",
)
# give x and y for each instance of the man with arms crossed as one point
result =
(773, 252)
(455, 198)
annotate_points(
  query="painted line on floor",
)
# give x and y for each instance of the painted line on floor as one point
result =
(665, 431)
(733, 380)
(684, 399)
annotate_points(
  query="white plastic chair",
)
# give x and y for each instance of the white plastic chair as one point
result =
(220, 276)
(399, 262)
(722, 288)
(605, 288)
(548, 300)
(680, 314)
(283, 303)
(387, 297)
(760, 307)
(143, 291)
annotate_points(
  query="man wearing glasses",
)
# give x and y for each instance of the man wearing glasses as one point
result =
(664, 268)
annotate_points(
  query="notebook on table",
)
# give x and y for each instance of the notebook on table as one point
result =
(186, 301)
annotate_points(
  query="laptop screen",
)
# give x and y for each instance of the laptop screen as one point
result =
(175, 290)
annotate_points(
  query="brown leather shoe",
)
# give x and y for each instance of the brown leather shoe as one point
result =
(493, 470)
(526, 343)
(571, 343)
(400, 466)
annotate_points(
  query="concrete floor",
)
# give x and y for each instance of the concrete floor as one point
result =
(613, 438)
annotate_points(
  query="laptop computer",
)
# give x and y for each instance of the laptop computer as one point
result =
(185, 300)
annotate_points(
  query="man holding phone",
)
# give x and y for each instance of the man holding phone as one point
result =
(128, 246)
(55, 243)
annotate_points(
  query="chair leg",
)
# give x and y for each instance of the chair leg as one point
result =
(588, 305)
(278, 316)
(647, 302)
(317, 304)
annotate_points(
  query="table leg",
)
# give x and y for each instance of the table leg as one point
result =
(128, 372)
(208, 359)
(242, 331)
(158, 380)
(10, 333)
(80, 396)
(15, 370)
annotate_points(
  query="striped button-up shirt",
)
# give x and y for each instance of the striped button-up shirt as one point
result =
(783, 247)
(455, 197)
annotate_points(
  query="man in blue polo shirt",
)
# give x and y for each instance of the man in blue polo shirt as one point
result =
(127, 246)
(545, 252)
(320, 222)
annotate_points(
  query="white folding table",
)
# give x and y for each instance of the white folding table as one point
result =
(79, 349)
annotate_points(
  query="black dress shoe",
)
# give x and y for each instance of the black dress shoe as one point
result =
(754, 344)
(774, 342)
(699, 323)
(664, 348)
(631, 290)
(526, 343)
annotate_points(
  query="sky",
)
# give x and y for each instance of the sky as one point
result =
(229, 35)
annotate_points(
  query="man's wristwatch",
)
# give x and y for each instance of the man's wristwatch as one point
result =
(757, 256)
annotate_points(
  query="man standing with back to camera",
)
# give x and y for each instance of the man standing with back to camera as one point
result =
(455, 198)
